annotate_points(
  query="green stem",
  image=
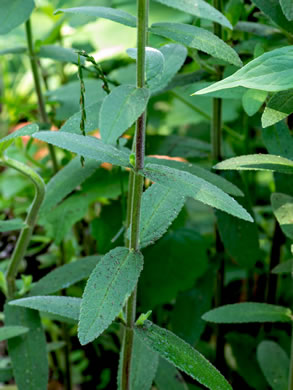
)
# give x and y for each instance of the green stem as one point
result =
(36, 76)
(291, 363)
(136, 190)
(26, 232)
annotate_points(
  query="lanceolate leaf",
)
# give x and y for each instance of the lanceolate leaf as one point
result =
(199, 8)
(274, 364)
(278, 140)
(11, 224)
(278, 108)
(86, 146)
(248, 312)
(120, 110)
(252, 100)
(72, 125)
(168, 377)
(109, 285)
(65, 276)
(182, 355)
(270, 72)
(26, 130)
(160, 206)
(59, 53)
(13, 13)
(273, 10)
(197, 38)
(28, 351)
(115, 15)
(258, 162)
(284, 268)
(283, 210)
(8, 332)
(287, 7)
(195, 187)
(67, 307)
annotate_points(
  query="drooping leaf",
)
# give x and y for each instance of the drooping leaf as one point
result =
(283, 210)
(168, 377)
(274, 364)
(28, 351)
(109, 285)
(197, 38)
(86, 146)
(116, 15)
(120, 109)
(248, 312)
(26, 130)
(65, 276)
(195, 187)
(67, 307)
(198, 8)
(160, 206)
(278, 140)
(268, 72)
(258, 162)
(278, 108)
(59, 53)
(252, 100)
(273, 10)
(182, 355)
(11, 224)
(13, 13)
(284, 268)
(287, 7)
(72, 125)
(8, 332)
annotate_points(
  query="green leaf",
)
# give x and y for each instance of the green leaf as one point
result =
(278, 140)
(115, 15)
(287, 7)
(65, 276)
(11, 224)
(13, 13)
(14, 50)
(284, 268)
(120, 109)
(67, 307)
(258, 162)
(26, 130)
(109, 285)
(200, 9)
(8, 332)
(248, 312)
(252, 100)
(197, 38)
(86, 146)
(274, 364)
(160, 206)
(268, 72)
(168, 377)
(278, 108)
(28, 351)
(283, 209)
(182, 355)
(72, 125)
(195, 187)
(273, 10)
(59, 53)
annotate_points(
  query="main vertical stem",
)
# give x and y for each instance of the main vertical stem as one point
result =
(136, 189)
(36, 76)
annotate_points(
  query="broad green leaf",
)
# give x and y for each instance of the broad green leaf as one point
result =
(116, 15)
(278, 140)
(120, 109)
(72, 125)
(6, 374)
(252, 100)
(66, 180)
(13, 13)
(287, 7)
(12, 224)
(273, 10)
(195, 187)
(258, 162)
(110, 284)
(274, 363)
(26, 130)
(67, 307)
(182, 355)
(248, 312)
(160, 206)
(65, 276)
(28, 351)
(86, 146)
(8, 332)
(278, 108)
(197, 38)
(14, 50)
(283, 209)
(199, 8)
(168, 378)
(269, 72)
(59, 53)
(284, 268)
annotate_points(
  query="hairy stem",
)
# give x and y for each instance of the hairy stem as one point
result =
(136, 189)
(26, 232)
(41, 103)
